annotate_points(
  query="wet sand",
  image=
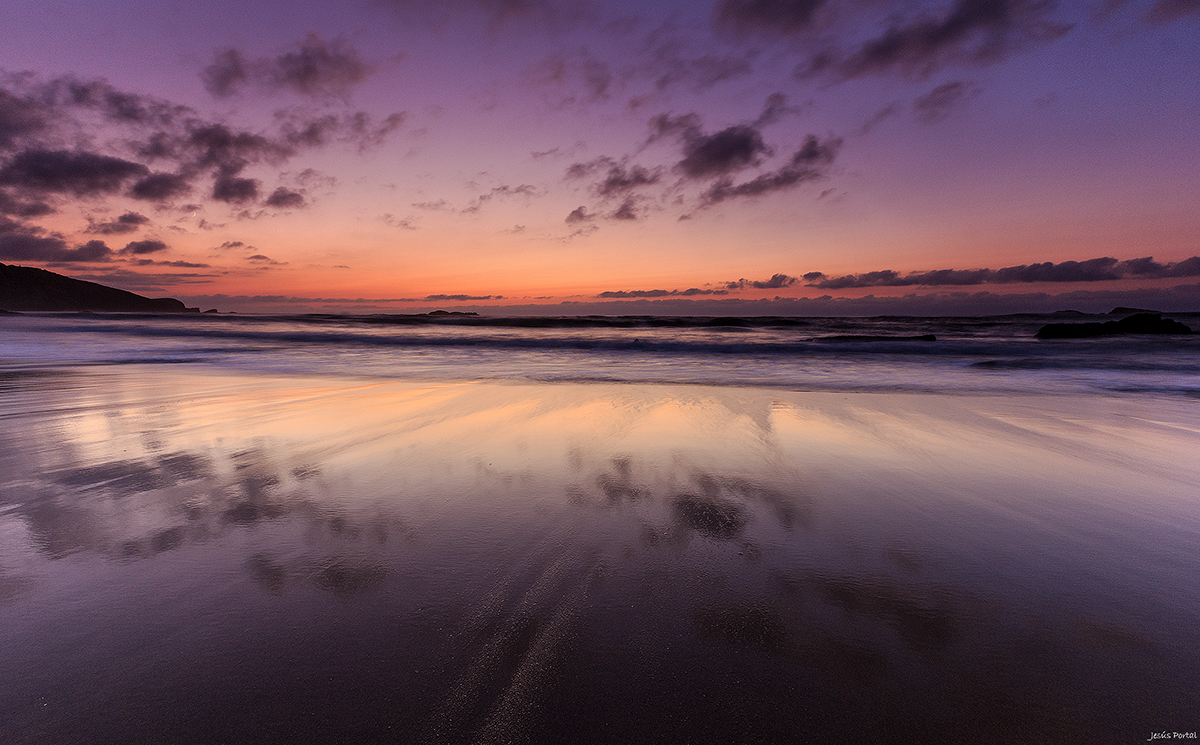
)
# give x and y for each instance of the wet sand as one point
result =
(207, 557)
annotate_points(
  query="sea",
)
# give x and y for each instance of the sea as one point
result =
(937, 355)
(223, 528)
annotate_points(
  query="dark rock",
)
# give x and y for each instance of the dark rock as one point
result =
(1123, 311)
(25, 288)
(1140, 323)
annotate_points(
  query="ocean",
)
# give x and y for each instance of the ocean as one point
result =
(994, 354)
(443, 529)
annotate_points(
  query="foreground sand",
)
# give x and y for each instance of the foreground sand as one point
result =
(200, 557)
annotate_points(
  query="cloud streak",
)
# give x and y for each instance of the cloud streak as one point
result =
(968, 32)
(1092, 270)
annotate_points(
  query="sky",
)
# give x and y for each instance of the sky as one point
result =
(789, 157)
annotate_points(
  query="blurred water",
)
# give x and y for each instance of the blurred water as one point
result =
(996, 354)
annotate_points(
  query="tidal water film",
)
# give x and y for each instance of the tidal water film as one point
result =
(369, 530)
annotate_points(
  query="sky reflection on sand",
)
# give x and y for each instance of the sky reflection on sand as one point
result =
(190, 557)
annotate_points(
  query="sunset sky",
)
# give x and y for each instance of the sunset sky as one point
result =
(566, 156)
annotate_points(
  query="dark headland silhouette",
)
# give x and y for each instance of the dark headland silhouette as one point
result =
(24, 288)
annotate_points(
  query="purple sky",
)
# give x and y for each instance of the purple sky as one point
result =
(616, 157)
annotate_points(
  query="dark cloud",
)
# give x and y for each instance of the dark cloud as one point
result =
(809, 163)
(160, 186)
(227, 72)
(690, 292)
(578, 215)
(263, 259)
(586, 78)
(300, 129)
(22, 242)
(886, 112)
(127, 223)
(116, 105)
(1165, 11)
(463, 297)
(1092, 270)
(78, 172)
(940, 102)
(315, 68)
(627, 211)
(698, 73)
(234, 189)
(772, 16)
(283, 198)
(9, 205)
(19, 118)
(619, 178)
(730, 149)
(176, 264)
(706, 156)
(141, 248)
(524, 190)
(970, 31)
(776, 108)
(405, 223)
(777, 281)
(217, 145)
(557, 14)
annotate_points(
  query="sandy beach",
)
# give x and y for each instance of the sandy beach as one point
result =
(194, 556)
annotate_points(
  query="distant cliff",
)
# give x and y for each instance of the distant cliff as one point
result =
(24, 288)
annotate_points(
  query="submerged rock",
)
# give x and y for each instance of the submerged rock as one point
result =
(1140, 323)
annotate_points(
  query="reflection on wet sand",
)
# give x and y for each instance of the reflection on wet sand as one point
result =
(253, 558)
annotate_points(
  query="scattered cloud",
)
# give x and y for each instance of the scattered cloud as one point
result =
(80, 173)
(10, 205)
(968, 32)
(942, 101)
(265, 260)
(784, 17)
(690, 292)
(777, 281)
(23, 242)
(139, 248)
(461, 298)
(314, 68)
(880, 116)
(129, 222)
(1165, 11)
(708, 155)
(578, 215)
(160, 187)
(810, 162)
(235, 190)
(283, 198)
(775, 109)
(524, 190)
(627, 210)
(396, 222)
(1092, 270)
(619, 178)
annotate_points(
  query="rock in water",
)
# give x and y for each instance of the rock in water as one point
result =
(1140, 323)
